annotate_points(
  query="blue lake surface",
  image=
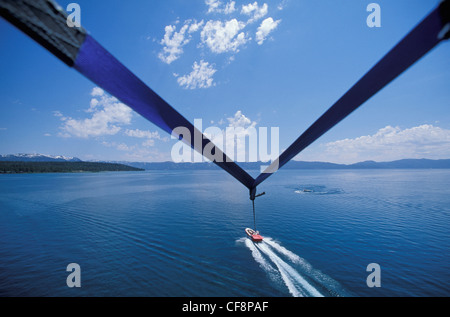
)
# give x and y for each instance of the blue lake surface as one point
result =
(181, 233)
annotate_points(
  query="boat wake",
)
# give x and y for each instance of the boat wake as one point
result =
(287, 269)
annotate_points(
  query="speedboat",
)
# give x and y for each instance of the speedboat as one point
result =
(254, 235)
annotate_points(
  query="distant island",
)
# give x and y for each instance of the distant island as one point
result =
(15, 167)
(39, 163)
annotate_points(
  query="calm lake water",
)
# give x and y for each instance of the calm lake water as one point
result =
(181, 233)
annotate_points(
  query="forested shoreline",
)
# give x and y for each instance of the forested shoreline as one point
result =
(62, 167)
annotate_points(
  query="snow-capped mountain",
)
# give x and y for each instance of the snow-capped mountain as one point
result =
(37, 158)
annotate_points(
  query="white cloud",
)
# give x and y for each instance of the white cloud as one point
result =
(136, 153)
(106, 118)
(173, 41)
(239, 120)
(57, 113)
(143, 134)
(240, 130)
(234, 139)
(267, 26)
(219, 35)
(195, 26)
(392, 143)
(282, 5)
(119, 146)
(213, 5)
(200, 77)
(148, 143)
(148, 135)
(255, 11)
(223, 37)
(97, 92)
(108, 114)
(216, 6)
(230, 7)
(123, 147)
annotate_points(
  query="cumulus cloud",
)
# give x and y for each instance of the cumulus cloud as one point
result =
(142, 134)
(119, 146)
(216, 6)
(173, 41)
(223, 34)
(137, 153)
(255, 11)
(213, 5)
(194, 26)
(234, 139)
(393, 143)
(108, 115)
(230, 7)
(148, 135)
(267, 26)
(97, 92)
(57, 114)
(200, 77)
(148, 143)
(239, 133)
(223, 37)
(105, 121)
(282, 5)
(239, 120)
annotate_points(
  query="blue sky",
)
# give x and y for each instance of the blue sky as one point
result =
(273, 63)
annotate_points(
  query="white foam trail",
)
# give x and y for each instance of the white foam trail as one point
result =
(318, 276)
(288, 281)
(289, 274)
(285, 276)
(258, 257)
(269, 269)
(292, 256)
(287, 267)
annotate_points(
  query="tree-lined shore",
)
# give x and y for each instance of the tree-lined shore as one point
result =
(62, 167)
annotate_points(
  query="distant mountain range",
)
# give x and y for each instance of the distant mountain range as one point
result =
(400, 164)
(37, 158)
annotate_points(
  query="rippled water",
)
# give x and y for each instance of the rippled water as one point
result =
(181, 233)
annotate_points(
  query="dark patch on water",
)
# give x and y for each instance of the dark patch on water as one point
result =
(317, 190)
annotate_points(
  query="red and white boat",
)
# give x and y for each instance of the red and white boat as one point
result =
(254, 235)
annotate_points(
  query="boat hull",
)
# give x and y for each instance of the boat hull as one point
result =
(254, 235)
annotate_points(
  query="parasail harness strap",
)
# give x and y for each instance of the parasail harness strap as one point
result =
(422, 39)
(46, 22)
